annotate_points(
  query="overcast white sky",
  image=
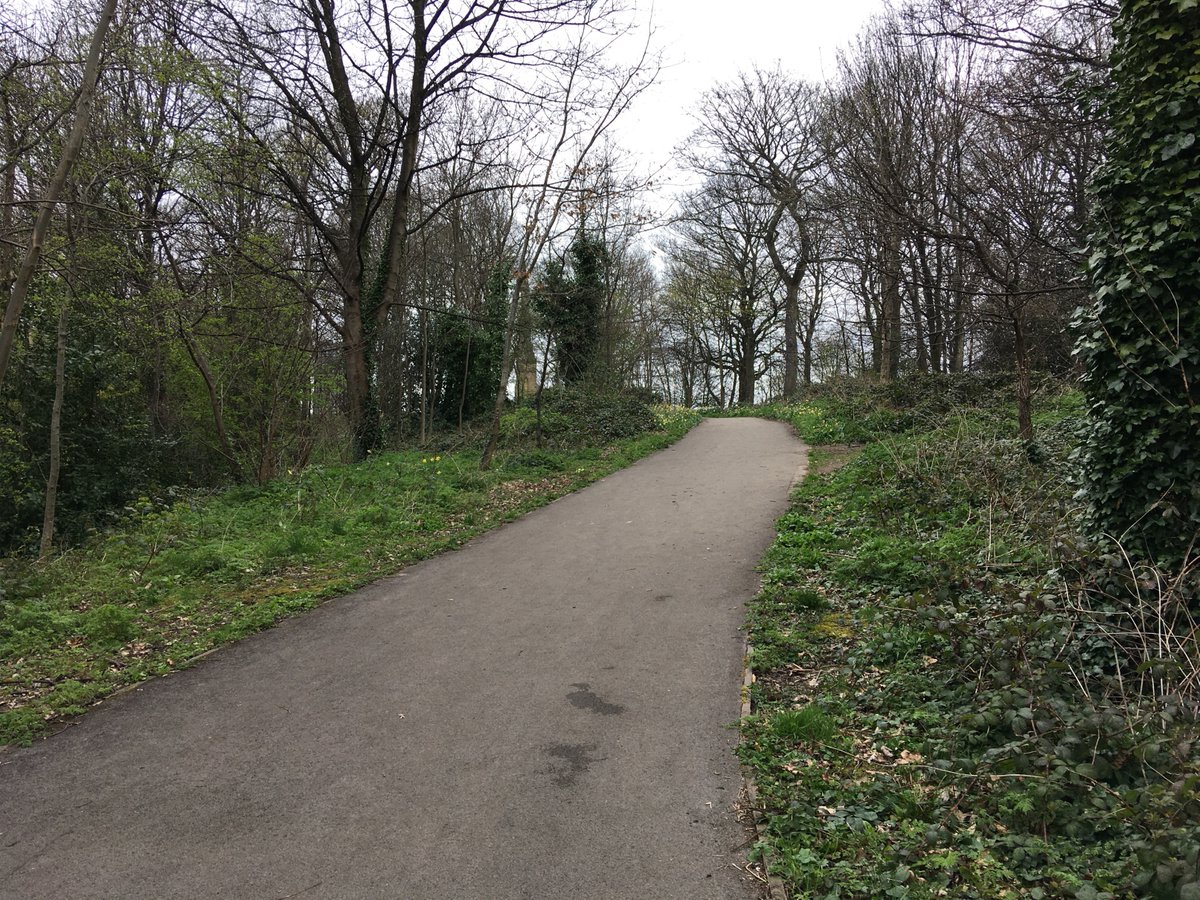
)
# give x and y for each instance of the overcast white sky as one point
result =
(706, 41)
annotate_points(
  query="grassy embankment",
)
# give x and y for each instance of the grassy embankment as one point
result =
(177, 581)
(955, 696)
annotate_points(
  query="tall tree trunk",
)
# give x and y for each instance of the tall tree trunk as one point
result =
(1024, 389)
(792, 278)
(60, 372)
(41, 226)
(526, 359)
(410, 145)
(958, 345)
(466, 379)
(930, 325)
(377, 302)
(745, 389)
(361, 407)
(872, 317)
(791, 322)
(890, 325)
(958, 316)
(813, 318)
(537, 398)
(8, 198)
(154, 375)
(918, 313)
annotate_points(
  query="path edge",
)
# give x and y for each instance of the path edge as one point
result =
(60, 724)
(775, 888)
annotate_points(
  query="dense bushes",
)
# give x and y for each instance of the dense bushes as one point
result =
(856, 410)
(110, 453)
(581, 416)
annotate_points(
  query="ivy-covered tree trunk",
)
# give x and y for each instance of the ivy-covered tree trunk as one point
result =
(1139, 341)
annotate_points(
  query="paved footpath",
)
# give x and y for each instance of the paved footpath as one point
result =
(544, 713)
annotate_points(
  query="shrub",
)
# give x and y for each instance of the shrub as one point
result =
(110, 625)
(519, 426)
(579, 416)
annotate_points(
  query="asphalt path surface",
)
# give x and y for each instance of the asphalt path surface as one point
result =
(544, 713)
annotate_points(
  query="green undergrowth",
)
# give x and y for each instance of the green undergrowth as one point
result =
(575, 416)
(180, 580)
(856, 411)
(955, 697)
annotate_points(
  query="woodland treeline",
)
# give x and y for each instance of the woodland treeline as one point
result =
(303, 230)
(292, 230)
(925, 210)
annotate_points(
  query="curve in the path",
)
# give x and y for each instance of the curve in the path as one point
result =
(544, 713)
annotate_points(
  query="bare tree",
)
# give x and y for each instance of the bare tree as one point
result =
(722, 261)
(590, 98)
(1074, 32)
(339, 100)
(763, 128)
(70, 152)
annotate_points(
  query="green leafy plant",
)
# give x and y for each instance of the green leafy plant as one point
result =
(810, 725)
(110, 625)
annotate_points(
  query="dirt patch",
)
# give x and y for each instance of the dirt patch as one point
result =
(830, 457)
(511, 496)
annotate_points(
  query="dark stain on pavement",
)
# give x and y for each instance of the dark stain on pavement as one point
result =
(661, 597)
(576, 759)
(585, 699)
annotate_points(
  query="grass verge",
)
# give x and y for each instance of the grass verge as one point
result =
(950, 698)
(181, 580)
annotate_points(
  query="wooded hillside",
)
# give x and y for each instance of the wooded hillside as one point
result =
(241, 237)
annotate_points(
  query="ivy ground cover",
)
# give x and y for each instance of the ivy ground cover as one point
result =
(955, 696)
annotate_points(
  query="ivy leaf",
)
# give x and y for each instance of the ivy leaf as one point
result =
(1180, 143)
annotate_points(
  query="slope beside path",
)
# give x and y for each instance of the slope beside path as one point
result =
(544, 713)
